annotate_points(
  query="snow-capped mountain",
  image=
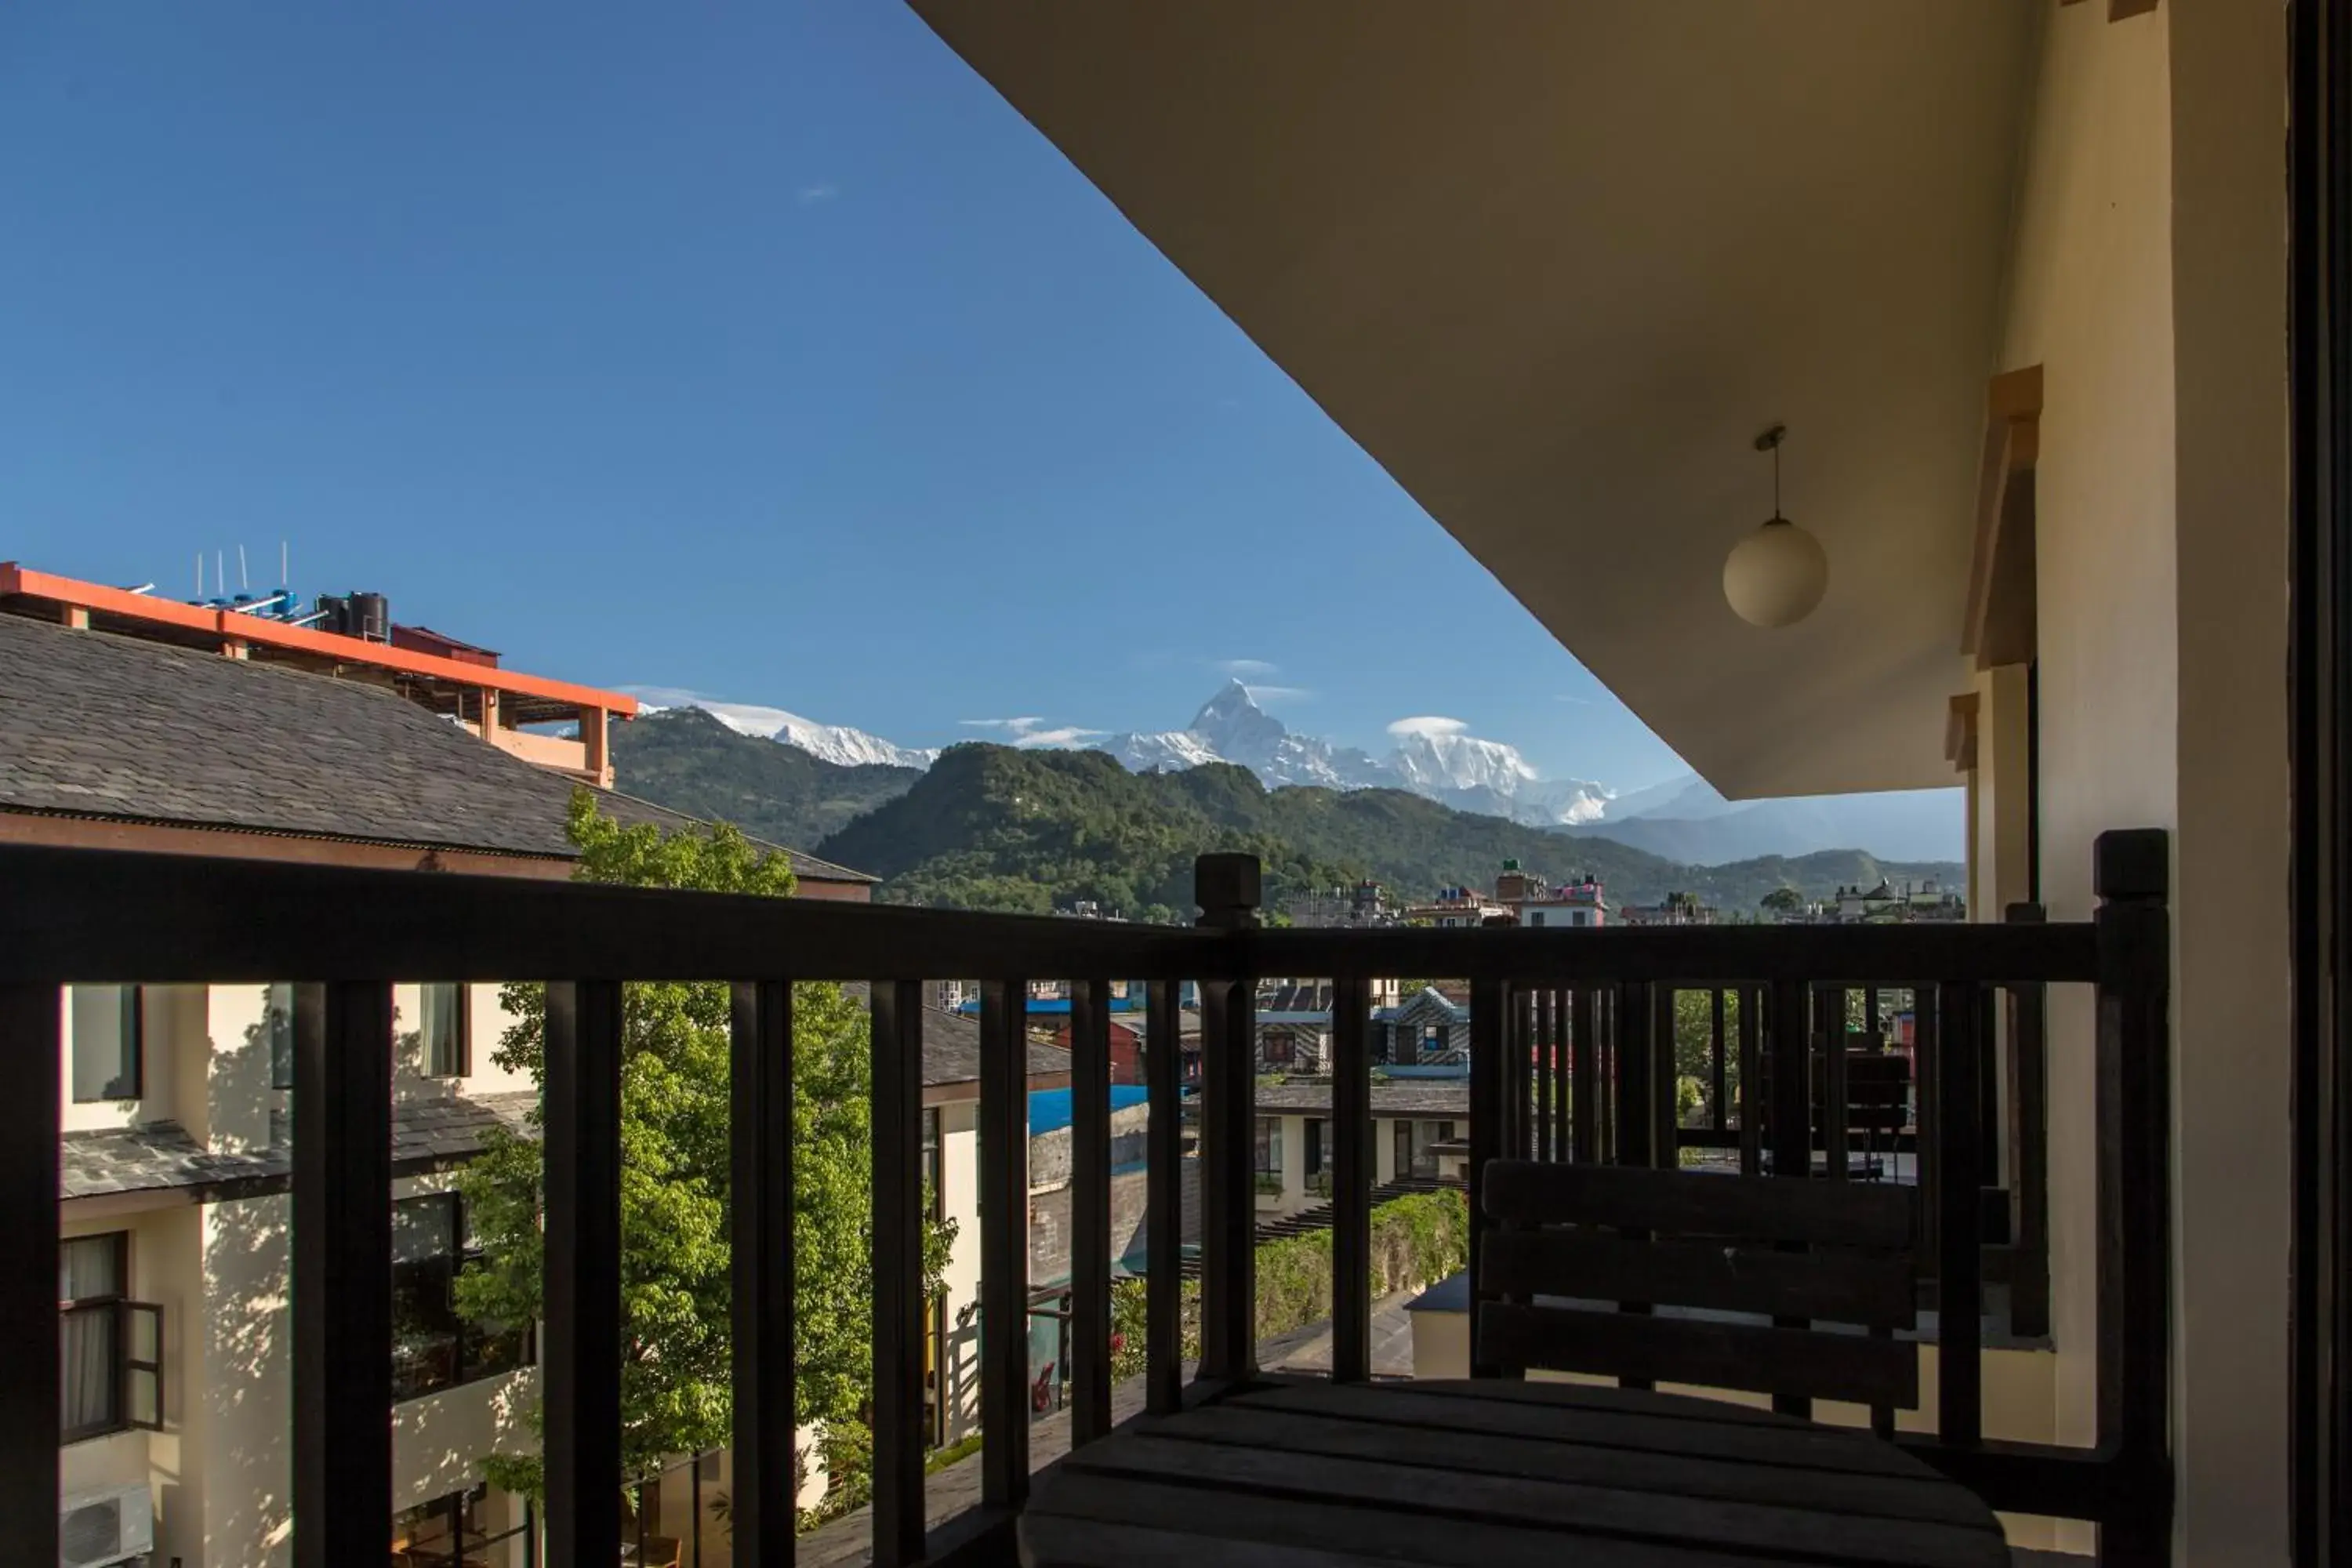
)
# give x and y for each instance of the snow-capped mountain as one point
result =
(1434, 757)
(1684, 818)
(831, 743)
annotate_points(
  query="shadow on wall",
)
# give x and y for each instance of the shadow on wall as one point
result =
(245, 1383)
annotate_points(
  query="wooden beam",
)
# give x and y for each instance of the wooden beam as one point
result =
(2000, 608)
(1960, 733)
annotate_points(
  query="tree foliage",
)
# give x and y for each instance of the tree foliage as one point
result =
(676, 1389)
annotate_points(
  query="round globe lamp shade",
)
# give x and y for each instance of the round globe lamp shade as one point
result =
(1777, 575)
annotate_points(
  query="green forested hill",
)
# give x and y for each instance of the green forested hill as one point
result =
(990, 827)
(685, 759)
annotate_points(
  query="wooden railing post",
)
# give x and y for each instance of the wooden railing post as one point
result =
(1163, 1219)
(1958, 1153)
(30, 1041)
(2029, 1148)
(580, 1368)
(2132, 878)
(897, 1089)
(1492, 1085)
(1004, 1244)
(1353, 1163)
(1227, 887)
(1090, 1259)
(759, 1221)
(341, 1274)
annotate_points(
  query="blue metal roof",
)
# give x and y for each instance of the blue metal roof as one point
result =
(1049, 1108)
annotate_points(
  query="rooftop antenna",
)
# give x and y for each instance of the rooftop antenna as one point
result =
(220, 573)
(244, 582)
(285, 578)
(199, 574)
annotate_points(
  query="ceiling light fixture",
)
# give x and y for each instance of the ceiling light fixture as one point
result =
(1777, 575)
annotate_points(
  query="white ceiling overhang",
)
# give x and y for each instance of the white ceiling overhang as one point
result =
(1555, 263)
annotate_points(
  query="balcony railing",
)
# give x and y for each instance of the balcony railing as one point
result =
(87, 917)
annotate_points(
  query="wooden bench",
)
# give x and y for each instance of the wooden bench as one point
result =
(1581, 1258)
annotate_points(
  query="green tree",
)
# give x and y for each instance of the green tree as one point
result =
(677, 1396)
(1782, 901)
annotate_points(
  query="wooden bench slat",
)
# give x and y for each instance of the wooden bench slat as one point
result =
(1425, 1540)
(1048, 1541)
(1874, 1291)
(1405, 1492)
(1843, 1214)
(1790, 1445)
(1696, 1351)
(1923, 1499)
(1607, 1396)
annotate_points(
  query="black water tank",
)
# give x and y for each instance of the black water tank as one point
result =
(371, 617)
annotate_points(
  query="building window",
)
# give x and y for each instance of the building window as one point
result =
(1432, 1040)
(1279, 1048)
(111, 1348)
(432, 1347)
(463, 1529)
(1269, 1146)
(1401, 1146)
(109, 1030)
(277, 1023)
(448, 1034)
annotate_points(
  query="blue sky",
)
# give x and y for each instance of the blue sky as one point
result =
(761, 351)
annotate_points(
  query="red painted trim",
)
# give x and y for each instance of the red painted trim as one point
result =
(262, 632)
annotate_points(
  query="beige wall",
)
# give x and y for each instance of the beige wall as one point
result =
(959, 1199)
(2148, 280)
(220, 1468)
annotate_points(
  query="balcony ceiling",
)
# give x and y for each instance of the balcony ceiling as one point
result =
(1554, 264)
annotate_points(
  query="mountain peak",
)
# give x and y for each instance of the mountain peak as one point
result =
(1237, 728)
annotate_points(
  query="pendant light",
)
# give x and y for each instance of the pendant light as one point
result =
(1777, 575)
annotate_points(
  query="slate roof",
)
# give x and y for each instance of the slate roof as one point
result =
(157, 1156)
(94, 724)
(951, 1051)
(1423, 1097)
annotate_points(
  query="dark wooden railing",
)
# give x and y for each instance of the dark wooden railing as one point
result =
(1554, 1014)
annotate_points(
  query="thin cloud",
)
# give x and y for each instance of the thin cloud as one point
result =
(1029, 733)
(1430, 724)
(810, 196)
(1063, 739)
(1243, 668)
(1264, 694)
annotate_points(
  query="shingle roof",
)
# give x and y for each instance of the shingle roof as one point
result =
(1420, 1097)
(951, 1051)
(96, 724)
(952, 1045)
(157, 1156)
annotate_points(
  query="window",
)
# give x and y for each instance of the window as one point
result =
(109, 1042)
(1432, 1040)
(432, 1347)
(111, 1348)
(1269, 1146)
(461, 1529)
(448, 1038)
(277, 1023)
(1401, 1146)
(1279, 1048)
